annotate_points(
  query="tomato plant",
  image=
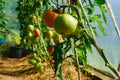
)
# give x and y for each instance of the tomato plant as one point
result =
(70, 31)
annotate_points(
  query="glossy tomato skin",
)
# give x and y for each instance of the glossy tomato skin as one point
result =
(50, 49)
(37, 32)
(49, 17)
(65, 24)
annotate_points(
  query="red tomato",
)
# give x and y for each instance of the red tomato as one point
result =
(52, 62)
(50, 49)
(37, 32)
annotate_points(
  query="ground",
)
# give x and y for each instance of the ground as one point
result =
(20, 69)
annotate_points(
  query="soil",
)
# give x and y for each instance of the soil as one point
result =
(20, 69)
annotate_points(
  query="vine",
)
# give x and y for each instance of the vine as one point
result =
(32, 30)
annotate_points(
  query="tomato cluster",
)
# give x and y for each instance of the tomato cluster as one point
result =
(63, 24)
(59, 25)
(36, 61)
(32, 31)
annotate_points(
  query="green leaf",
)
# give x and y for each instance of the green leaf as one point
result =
(101, 27)
(72, 44)
(57, 56)
(90, 3)
(89, 10)
(88, 46)
(102, 8)
(94, 30)
(59, 72)
(99, 2)
(82, 56)
(97, 16)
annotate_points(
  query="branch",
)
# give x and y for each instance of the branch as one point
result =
(113, 18)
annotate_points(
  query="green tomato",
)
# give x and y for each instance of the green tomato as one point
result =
(65, 24)
(49, 34)
(32, 61)
(37, 59)
(34, 55)
(37, 65)
(41, 68)
(31, 27)
(30, 34)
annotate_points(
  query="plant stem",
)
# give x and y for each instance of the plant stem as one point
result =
(77, 63)
(113, 18)
(93, 40)
(87, 20)
(41, 38)
(57, 3)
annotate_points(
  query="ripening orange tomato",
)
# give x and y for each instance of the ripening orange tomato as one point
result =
(49, 17)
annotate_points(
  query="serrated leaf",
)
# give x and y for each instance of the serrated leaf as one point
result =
(101, 27)
(94, 30)
(94, 18)
(102, 8)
